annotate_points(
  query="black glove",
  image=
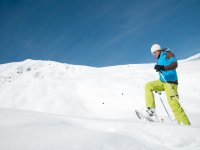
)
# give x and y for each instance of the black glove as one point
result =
(159, 67)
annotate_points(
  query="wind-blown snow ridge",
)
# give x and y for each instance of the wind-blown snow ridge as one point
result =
(194, 57)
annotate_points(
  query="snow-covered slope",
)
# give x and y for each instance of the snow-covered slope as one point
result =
(21, 130)
(91, 108)
(73, 90)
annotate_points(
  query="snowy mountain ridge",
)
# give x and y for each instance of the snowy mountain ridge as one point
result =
(194, 57)
(51, 83)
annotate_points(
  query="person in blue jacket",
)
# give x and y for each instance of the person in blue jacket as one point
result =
(168, 82)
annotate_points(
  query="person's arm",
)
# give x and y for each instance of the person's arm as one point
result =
(174, 63)
(172, 66)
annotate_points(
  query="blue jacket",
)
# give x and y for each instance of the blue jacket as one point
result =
(169, 75)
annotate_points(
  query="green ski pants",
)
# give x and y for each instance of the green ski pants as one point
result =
(172, 97)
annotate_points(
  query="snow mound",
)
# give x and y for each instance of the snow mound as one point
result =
(32, 130)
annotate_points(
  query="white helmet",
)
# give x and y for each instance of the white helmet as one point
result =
(155, 47)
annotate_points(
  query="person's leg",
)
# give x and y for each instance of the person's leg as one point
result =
(172, 97)
(156, 85)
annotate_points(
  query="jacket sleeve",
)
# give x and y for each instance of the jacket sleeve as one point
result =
(174, 64)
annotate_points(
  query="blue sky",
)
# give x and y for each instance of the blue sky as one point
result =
(97, 32)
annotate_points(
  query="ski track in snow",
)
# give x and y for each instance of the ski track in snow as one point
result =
(46, 105)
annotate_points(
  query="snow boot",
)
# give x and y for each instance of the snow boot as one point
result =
(151, 113)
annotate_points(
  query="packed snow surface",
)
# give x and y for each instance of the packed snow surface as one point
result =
(47, 105)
